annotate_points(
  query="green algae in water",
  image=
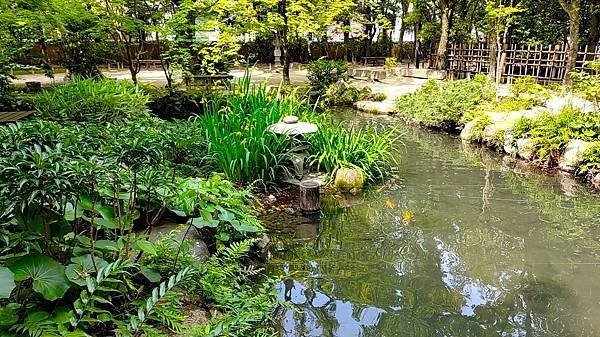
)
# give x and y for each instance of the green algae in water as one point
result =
(491, 249)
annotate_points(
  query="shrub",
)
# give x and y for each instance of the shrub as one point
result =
(341, 93)
(552, 132)
(588, 84)
(323, 73)
(91, 100)
(527, 89)
(443, 105)
(334, 146)
(379, 97)
(178, 104)
(591, 159)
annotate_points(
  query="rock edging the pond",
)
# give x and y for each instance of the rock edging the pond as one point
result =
(499, 135)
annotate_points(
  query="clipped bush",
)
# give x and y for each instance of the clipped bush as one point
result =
(443, 104)
(323, 73)
(93, 100)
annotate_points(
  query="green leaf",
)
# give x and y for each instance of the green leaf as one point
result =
(201, 223)
(9, 314)
(152, 275)
(72, 212)
(86, 202)
(7, 282)
(107, 244)
(48, 275)
(226, 215)
(146, 246)
(243, 227)
(82, 268)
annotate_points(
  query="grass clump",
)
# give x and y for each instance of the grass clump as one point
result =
(379, 97)
(93, 100)
(443, 105)
(235, 128)
(335, 146)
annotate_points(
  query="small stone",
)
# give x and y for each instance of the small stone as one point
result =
(509, 146)
(290, 119)
(263, 244)
(200, 250)
(289, 211)
(271, 198)
(468, 132)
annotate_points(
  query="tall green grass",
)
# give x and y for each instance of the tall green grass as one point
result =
(235, 127)
(335, 146)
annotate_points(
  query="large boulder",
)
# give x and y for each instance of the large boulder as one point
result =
(526, 148)
(349, 179)
(573, 155)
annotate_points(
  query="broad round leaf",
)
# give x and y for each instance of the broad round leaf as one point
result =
(48, 275)
(7, 282)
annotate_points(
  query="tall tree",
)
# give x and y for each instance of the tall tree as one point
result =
(295, 20)
(573, 8)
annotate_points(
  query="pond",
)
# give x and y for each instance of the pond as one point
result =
(462, 242)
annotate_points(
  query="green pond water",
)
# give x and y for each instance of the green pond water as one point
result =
(490, 248)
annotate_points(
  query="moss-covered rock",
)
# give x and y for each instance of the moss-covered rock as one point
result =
(349, 179)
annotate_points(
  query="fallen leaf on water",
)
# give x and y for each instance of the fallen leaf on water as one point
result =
(407, 217)
(389, 203)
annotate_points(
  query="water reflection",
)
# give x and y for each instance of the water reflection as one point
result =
(324, 316)
(492, 249)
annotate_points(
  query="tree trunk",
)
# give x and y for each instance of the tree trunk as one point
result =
(574, 10)
(285, 46)
(347, 39)
(594, 29)
(442, 50)
(493, 66)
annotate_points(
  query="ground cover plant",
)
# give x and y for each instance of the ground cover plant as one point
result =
(551, 132)
(92, 100)
(79, 194)
(443, 104)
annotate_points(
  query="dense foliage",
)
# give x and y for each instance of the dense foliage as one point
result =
(551, 132)
(91, 100)
(444, 104)
(235, 129)
(79, 194)
(323, 73)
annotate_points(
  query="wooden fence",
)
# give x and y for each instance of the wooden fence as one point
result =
(546, 63)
